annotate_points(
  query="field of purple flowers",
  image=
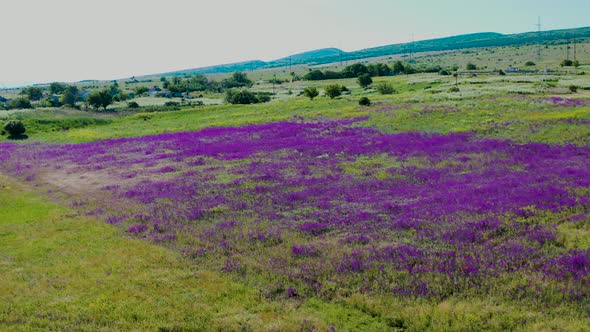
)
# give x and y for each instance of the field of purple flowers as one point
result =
(330, 209)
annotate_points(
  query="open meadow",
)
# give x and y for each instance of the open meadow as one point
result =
(447, 203)
(451, 203)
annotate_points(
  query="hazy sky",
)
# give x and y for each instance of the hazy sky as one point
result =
(70, 40)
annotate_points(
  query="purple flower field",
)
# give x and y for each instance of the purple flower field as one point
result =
(332, 208)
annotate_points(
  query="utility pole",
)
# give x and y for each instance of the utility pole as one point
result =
(412, 49)
(273, 84)
(539, 39)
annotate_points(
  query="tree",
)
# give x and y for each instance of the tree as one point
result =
(121, 96)
(33, 93)
(57, 88)
(471, 66)
(311, 92)
(378, 69)
(99, 99)
(14, 128)
(333, 90)
(398, 68)
(314, 75)
(365, 80)
(141, 90)
(240, 97)
(19, 103)
(237, 80)
(70, 96)
(354, 70)
(114, 89)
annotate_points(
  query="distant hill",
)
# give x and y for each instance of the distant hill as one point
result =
(330, 55)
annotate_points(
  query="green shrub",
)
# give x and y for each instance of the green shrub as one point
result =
(243, 97)
(14, 128)
(311, 92)
(471, 66)
(530, 64)
(454, 89)
(567, 63)
(385, 88)
(365, 101)
(132, 104)
(573, 88)
(333, 90)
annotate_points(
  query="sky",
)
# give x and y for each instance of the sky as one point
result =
(72, 40)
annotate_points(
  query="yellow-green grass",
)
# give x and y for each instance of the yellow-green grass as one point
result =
(61, 271)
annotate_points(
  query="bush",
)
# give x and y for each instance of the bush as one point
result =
(471, 66)
(573, 88)
(14, 128)
(530, 64)
(141, 90)
(444, 72)
(454, 89)
(333, 90)
(364, 101)
(385, 88)
(132, 104)
(311, 92)
(567, 63)
(365, 80)
(240, 97)
(264, 97)
(19, 103)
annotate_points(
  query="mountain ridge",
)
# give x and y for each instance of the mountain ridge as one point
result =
(457, 42)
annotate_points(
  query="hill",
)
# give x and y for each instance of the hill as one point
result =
(474, 40)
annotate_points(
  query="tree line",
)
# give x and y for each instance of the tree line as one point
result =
(372, 70)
